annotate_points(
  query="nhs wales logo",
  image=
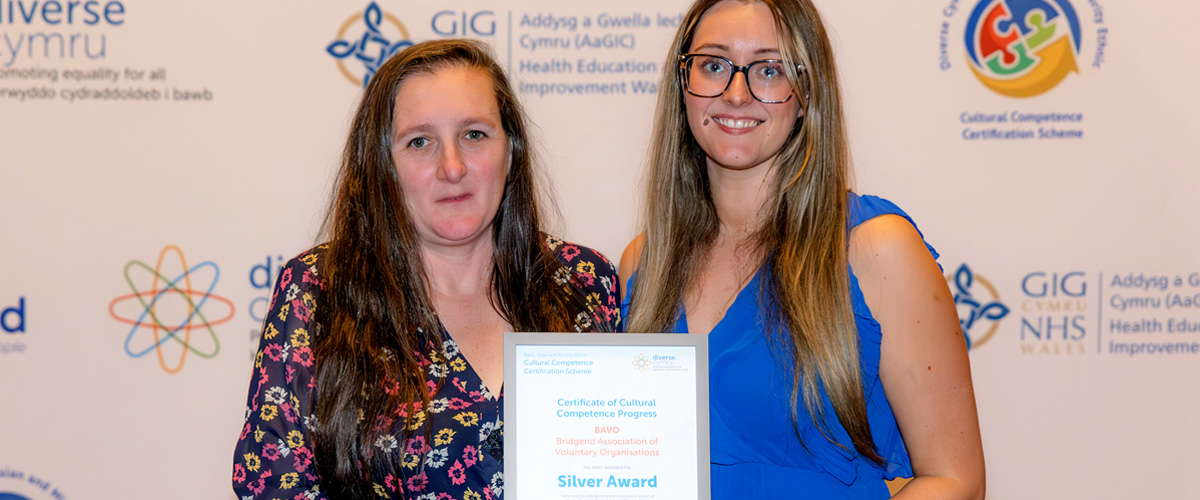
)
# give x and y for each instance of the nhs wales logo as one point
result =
(365, 41)
(979, 307)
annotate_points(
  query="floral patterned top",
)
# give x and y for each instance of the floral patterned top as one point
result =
(462, 461)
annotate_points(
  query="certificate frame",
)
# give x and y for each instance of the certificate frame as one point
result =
(515, 341)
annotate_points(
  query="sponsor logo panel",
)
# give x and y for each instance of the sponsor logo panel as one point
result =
(1080, 312)
(1022, 50)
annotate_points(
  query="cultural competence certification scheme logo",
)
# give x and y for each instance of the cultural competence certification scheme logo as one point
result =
(16, 484)
(1022, 49)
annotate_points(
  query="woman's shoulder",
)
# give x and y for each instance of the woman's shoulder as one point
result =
(580, 259)
(879, 224)
(864, 207)
(299, 286)
(304, 271)
(592, 275)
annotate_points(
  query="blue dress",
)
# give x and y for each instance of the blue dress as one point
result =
(754, 449)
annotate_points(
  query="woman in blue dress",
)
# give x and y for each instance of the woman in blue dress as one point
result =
(836, 357)
(380, 370)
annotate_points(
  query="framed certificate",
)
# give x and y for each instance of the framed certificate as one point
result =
(599, 416)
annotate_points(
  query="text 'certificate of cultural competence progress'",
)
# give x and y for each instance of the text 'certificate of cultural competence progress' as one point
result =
(606, 416)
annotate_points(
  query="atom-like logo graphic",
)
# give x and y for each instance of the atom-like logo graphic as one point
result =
(171, 308)
(641, 363)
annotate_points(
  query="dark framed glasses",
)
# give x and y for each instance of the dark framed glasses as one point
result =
(707, 75)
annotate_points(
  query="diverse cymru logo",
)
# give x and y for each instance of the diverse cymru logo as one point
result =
(641, 363)
(12, 319)
(979, 307)
(370, 38)
(57, 29)
(1022, 48)
(12, 327)
(170, 305)
(262, 278)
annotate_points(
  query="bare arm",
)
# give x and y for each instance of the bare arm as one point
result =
(923, 361)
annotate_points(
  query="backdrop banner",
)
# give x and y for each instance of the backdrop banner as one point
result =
(162, 160)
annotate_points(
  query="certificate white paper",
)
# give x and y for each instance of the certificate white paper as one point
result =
(606, 416)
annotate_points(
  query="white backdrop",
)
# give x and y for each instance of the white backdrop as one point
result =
(129, 126)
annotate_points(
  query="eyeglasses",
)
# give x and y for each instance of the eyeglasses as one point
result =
(706, 75)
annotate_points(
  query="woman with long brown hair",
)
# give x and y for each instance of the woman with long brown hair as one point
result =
(836, 357)
(380, 370)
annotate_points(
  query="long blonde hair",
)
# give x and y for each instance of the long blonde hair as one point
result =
(807, 292)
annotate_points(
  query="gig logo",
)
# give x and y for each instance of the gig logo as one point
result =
(1022, 48)
(369, 38)
(979, 307)
(168, 306)
(1054, 313)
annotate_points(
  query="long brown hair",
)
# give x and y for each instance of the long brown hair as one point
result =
(807, 289)
(377, 313)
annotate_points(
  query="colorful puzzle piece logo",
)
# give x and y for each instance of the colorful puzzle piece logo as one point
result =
(1022, 48)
